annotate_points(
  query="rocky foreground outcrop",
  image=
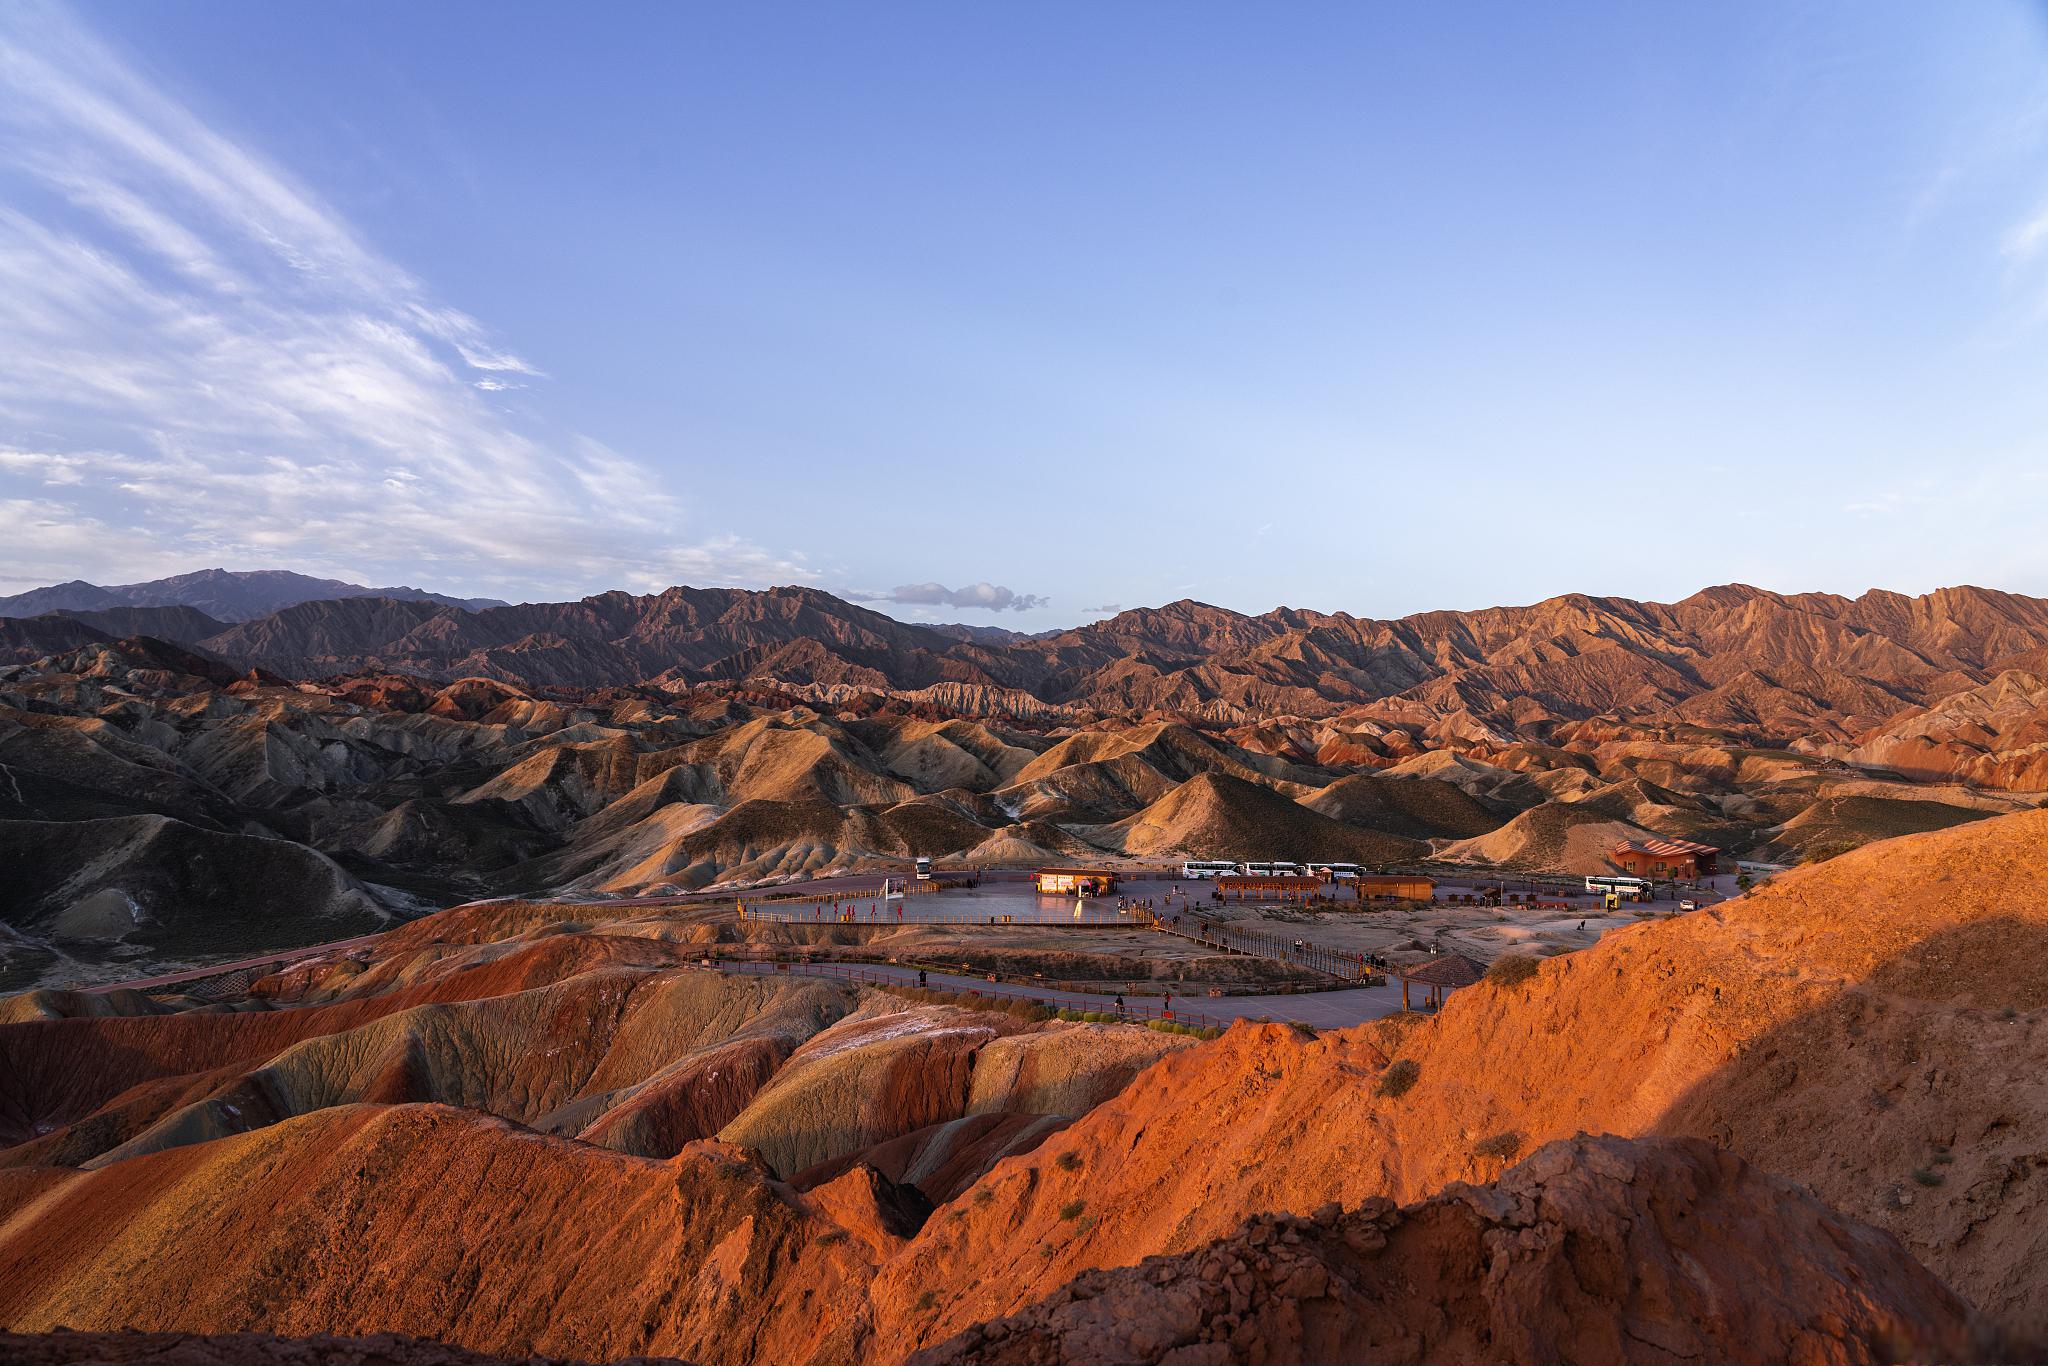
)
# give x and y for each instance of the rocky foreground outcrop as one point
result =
(1873, 1027)
(1594, 1249)
(451, 1225)
(446, 1225)
(259, 1349)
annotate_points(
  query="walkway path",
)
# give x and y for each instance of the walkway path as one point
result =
(1323, 1009)
(268, 961)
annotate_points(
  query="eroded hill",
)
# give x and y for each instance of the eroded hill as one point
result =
(139, 777)
(608, 1149)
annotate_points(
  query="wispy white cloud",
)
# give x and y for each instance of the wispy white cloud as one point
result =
(202, 362)
(43, 467)
(2024, 240)
(36, 533)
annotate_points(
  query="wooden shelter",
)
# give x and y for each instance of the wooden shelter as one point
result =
(1664, 858)
(1440, 974)
(1395, 887)
(1075, 881)
(1280, 885)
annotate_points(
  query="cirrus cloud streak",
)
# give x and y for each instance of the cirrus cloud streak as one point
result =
(203, 363)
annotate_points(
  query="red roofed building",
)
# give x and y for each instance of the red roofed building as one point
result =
(1664, 858)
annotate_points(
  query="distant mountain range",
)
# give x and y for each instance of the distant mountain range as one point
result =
(223, 594)
(1768, 667)
(201, 785)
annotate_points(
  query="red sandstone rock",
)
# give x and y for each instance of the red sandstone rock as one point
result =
(258, 1349)
(1600, 1250)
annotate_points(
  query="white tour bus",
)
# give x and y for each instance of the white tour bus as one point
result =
(1336, 872)
(1255, 869)
(1282, 868)
(1197, 869)
(1634, 888)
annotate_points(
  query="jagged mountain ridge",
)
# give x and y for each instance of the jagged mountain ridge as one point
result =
(1766, 665)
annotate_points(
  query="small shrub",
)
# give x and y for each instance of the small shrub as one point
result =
(1072, 1209)
(1942, 1157)
(984, 1196)
(1926, 1177)
(1068, 1162)
(831, 1236)
(1307, 1030)
(1400, 1076)
(1502, 1145)
(927, 1300)
(2008, 1014)
(1512, 970)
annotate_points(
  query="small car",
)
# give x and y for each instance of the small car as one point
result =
(1688, 905)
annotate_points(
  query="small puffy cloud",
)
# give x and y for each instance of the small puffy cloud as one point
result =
(984, 597)
(1107, 609)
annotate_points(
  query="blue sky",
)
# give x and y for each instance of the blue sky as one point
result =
(1020, 313)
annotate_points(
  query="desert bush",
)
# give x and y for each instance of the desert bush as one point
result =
(1181, 1027)
(1512, 970)
(1068, 1162)
(928, 1299)
(1401, 1074)
(1307, 1029)
(1072, 1209)
(1926, 1177)
(831, 1236)
(1502, 1145)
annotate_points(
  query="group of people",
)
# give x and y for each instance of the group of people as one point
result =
(1166, 1004)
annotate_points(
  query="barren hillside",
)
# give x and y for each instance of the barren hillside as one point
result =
(1870, 1027)
(889, 1176)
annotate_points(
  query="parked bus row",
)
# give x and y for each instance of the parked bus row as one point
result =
(1200, 869)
